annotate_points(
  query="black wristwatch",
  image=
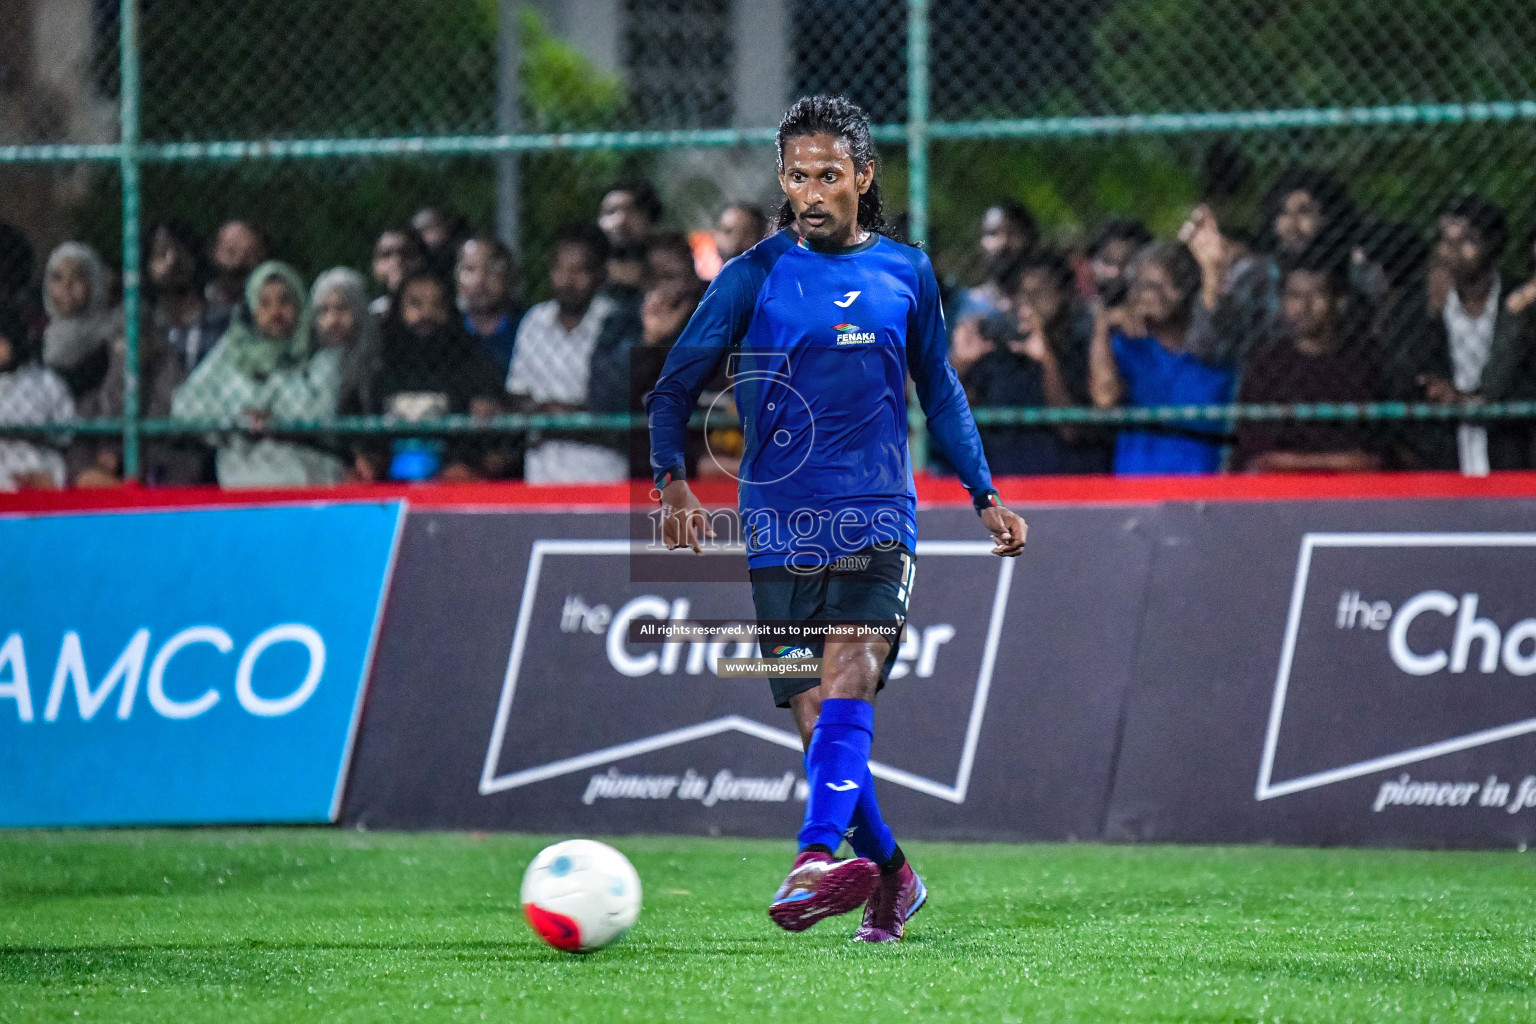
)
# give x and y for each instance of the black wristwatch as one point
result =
(984, 500)
(668, 476)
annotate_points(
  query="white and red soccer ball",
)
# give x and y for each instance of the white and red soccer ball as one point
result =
(581, 895)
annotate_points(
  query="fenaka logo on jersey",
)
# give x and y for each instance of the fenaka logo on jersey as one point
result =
(1400, 648)
(849, 334)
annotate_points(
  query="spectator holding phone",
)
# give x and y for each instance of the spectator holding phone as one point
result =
(1141, 357)
(1036, 356)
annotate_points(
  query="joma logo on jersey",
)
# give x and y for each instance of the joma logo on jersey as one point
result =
(849, 334)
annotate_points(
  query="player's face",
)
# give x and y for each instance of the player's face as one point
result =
(823, 187)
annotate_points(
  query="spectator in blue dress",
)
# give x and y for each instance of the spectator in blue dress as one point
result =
(1139, 357)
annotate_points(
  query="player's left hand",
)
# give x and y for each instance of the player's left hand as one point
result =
(684, 522)
(1007, 529)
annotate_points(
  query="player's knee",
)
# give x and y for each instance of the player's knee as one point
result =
(853, 672)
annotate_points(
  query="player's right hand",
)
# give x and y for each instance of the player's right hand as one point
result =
(684, 522)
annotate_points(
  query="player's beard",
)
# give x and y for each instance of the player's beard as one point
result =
(829, 228)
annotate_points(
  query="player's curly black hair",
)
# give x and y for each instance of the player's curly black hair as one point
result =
(846, 120)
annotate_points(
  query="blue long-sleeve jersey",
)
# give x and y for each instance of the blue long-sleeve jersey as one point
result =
(819, 347)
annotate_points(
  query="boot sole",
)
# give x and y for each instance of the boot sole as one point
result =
(842, 889)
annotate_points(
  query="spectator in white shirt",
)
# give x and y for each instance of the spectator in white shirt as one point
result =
(30, 394)
(1443, 353)
(551, 361)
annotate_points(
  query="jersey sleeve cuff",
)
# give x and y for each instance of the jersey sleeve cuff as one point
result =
(983, 500)
(667, 476)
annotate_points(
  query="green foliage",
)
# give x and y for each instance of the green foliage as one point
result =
(1189, 55)
(561, 91)
(356, 68)
(1198, 55)
(1068, 185)
(307, 68)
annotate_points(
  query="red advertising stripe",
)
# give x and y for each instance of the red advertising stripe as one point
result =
(932, 492)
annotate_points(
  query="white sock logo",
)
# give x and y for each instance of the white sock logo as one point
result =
(842, 787)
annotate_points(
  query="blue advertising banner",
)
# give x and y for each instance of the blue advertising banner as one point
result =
(186, 667)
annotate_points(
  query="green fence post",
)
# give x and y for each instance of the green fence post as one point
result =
(917, 120)
(128, 89)
(917, 178)
(508, 121)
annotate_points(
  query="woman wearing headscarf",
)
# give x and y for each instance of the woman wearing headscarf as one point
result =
(176, 329)
(339, 299)
(77, 343)
(267, 369)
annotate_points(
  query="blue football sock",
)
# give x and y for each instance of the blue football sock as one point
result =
(870, 836)
(837, 769)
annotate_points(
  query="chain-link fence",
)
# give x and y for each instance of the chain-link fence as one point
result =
(1174, 235)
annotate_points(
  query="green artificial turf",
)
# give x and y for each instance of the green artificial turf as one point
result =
(296, 925)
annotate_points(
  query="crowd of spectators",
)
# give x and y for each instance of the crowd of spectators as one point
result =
(1319, 304)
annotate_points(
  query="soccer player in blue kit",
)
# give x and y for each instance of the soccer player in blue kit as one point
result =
(820, 324)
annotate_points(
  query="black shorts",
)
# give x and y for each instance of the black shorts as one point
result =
(871, 585)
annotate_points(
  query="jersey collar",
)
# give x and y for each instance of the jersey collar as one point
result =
(867, 243)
